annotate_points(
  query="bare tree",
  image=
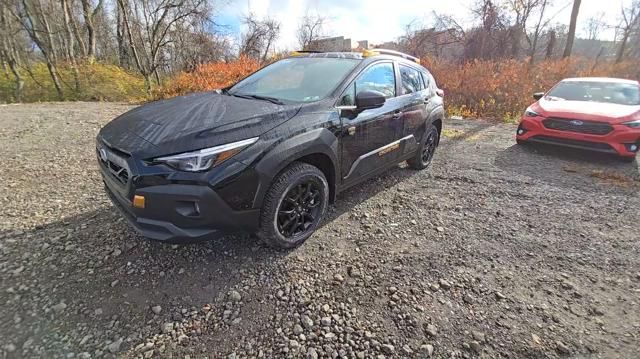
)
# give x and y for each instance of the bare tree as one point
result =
(629, 24)
(149, 25)
(89, 12)
(488, 39)
(311, 28)
(9, 48)
(420, 40)
(69, 43)
(259, 37)
(572, 28)
(522, 9)
(33, 16)
(594, 26)
(551, 44)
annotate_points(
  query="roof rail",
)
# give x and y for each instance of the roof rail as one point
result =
(300, 52)
(373, 52)
(365, 53)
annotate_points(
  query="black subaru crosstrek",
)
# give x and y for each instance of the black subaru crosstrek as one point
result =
(269, 154)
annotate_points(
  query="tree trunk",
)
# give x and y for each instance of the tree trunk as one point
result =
(89, 13)
(53, 71)
(70, 44)
(48, 50)
(572, 28)
(18, 80)
(551, 44)
(623, 47)
(120, 39)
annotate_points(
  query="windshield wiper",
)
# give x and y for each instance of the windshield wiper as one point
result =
(257, 97)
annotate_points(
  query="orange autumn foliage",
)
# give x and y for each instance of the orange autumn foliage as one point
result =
(502, 89)
(206, 77)
(491, 89)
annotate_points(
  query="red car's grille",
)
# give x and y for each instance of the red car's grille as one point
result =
(580, 126)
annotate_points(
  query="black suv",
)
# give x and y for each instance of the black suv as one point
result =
(268, 154)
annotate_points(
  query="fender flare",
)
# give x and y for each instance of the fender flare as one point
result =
(318, 141)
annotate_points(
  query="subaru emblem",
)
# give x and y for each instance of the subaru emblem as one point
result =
(577, 122)
(103, 155)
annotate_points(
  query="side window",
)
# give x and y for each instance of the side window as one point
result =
(411, 80)
(426, 80)
(349, 96)
(379, 77)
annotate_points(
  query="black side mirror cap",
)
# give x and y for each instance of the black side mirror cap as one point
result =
(538, 95)
(369, 99)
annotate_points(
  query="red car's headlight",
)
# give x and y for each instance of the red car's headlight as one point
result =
(531, 113)
(632, 124)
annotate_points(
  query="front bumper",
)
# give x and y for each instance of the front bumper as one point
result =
(174, 211)
(618, 142)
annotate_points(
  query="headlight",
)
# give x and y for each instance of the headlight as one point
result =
(205, 158)
(530, 113)
(633, 124)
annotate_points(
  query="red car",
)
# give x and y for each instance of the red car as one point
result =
(593, 113)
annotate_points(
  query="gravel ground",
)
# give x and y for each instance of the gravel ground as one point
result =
(497, 251)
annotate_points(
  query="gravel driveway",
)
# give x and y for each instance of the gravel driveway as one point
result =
(497, 251)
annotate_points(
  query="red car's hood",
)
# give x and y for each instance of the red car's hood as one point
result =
(585, 110)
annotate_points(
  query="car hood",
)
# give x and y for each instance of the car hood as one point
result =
(585, 110)
(192, 122)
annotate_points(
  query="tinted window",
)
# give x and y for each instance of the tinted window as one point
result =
(425, 78)
(349, 96)
(411, 80)
(302, 79)
(379, 77)
(595, 91)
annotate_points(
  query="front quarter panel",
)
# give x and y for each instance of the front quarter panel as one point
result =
(291, 141)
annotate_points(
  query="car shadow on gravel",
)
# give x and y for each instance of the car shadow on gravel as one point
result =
(102, 270)
(567, 167)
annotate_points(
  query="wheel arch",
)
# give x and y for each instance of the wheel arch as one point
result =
(317, 147)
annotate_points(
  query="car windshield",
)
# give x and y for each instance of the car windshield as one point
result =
(301, 79)
(596, 91)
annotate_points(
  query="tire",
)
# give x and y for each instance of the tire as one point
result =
(293, 207)
(427, 149)
(627, 159)
(521, 142)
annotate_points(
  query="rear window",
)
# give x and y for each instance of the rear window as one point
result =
(411, 80)
(595, 91)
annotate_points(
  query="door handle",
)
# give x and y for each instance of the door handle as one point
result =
(396, 115)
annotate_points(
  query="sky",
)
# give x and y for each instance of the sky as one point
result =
(384, 20)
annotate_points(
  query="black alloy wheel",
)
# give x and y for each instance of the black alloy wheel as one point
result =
(294, 206)
(427, 150)
(429, 147)
(299, 209)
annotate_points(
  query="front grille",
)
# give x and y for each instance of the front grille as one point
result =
(115, 164)
(579, 126)
(596, 146)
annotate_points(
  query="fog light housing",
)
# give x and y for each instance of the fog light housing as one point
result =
(521, 130)
(633, 148)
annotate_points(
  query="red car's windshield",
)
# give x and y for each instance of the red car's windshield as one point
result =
(596, 91)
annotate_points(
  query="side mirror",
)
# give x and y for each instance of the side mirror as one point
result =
(369, 99)
(538, 95)
(440, 92)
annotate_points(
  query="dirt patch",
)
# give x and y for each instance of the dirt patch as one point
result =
(497, 251)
